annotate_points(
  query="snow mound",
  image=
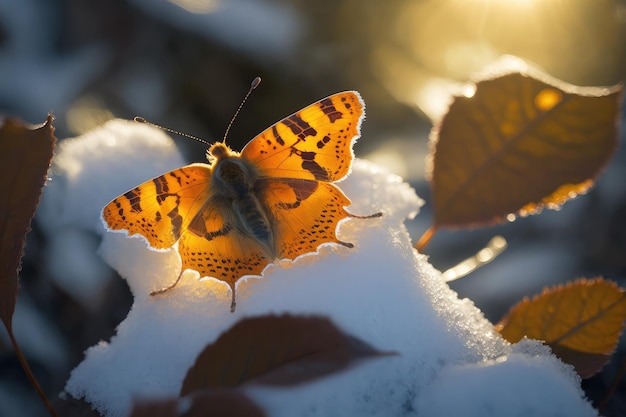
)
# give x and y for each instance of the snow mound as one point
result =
(450, 362)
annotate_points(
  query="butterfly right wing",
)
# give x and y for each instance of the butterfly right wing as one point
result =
(161, 209)
(314, 143)
(307, 214)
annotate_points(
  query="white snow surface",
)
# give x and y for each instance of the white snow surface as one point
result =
(450, 360)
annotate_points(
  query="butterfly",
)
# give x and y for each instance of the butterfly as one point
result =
(242, 211)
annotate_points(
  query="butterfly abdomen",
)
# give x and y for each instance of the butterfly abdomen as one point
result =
(253, 219)
(234, 180)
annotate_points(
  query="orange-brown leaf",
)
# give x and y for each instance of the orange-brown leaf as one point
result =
(581, 321)
(275, 350)
(25, 155)
(519, 144)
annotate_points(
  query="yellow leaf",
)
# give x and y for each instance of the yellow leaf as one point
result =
(519, 144)
(581, 321)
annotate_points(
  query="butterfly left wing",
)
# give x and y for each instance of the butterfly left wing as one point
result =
(160, 209)
(314, 143)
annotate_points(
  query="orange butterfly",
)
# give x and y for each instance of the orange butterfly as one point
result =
(241, 211)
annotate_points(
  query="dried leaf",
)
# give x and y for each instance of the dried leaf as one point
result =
(220, 402)
(586, 364)
(25, 155)
(276, 350)
(519, 144)
(581, 321)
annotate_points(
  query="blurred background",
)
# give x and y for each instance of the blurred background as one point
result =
(187, 64)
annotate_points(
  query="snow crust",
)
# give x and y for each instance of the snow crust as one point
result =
(450, 362)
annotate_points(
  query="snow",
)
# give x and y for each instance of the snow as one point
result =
(515, 377)
(87, 172)
(450, 362)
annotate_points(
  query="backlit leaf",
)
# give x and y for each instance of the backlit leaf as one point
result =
(25, 155)
(518, 144)
(581, 321)
(275, 350)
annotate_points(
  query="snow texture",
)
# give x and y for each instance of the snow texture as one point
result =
(450, 362)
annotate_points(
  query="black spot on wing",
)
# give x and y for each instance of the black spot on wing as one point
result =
(176, 177)
(277, 136)
(329, 110)
(161, 189)
(222, 232)
(134, 197)
(345, 102)
(198, 228)
(177, 222)
(322, 142)
(299, 127)
(302, 189)
(316, 169)
(309, 164)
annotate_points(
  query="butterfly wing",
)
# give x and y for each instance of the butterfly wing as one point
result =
(161, 209)
(307, 214)
(314, 143)
(214, 247)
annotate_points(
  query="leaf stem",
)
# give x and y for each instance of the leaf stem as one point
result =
(613, 387)
(29, 372)
(425, 238)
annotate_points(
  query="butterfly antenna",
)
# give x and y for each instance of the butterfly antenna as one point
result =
(255, 84)
(139, 119)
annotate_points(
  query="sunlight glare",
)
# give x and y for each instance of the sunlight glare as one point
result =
(494, 248)
(468, 90)
(434, 98)
(517, 2)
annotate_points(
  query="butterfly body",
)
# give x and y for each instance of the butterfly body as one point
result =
(241, 211)
(237, 190)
